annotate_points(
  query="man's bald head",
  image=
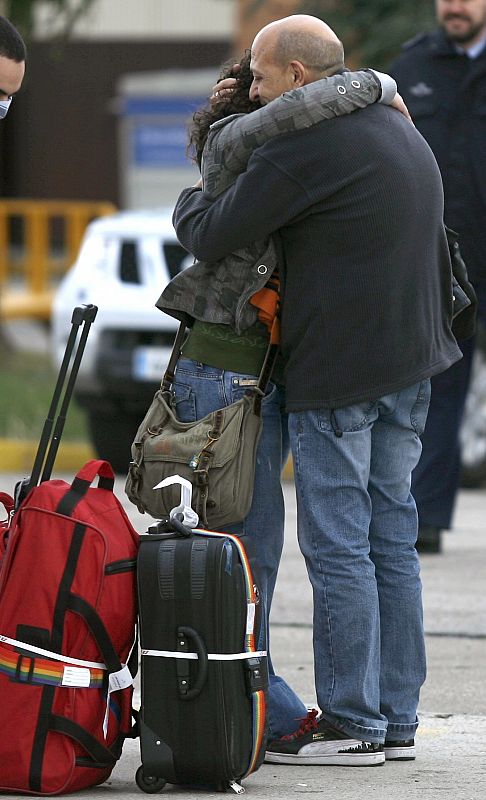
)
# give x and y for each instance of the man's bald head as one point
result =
(292, 52)
(303, 38)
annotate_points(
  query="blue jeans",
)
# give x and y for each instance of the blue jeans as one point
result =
(357, 527)
(199, 389)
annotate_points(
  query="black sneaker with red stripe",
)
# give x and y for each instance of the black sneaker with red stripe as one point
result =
(317, 742)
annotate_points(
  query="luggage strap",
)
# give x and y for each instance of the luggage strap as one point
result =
(70, 672)
(258, 696)
(210, 656)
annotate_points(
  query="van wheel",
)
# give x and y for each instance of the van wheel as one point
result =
(112, 435)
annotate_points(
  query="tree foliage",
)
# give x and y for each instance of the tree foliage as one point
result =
(67, 12)
(372, 30)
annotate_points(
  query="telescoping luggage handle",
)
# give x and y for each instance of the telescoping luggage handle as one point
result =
(51, 433)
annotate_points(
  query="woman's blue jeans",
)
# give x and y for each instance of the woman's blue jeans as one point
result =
(199, 389)
(357, 527)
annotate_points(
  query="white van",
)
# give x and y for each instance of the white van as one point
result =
(124, 262)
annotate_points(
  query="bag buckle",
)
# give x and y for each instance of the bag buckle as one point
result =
(201, 478)
(195, 461)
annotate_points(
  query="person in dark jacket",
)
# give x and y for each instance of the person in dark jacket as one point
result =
(12, 64)
(356, 209)
(442, 78)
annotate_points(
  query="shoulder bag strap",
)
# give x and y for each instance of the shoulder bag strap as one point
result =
(267, 366)
(168, 377)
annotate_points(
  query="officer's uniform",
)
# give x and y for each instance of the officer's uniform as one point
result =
(445, 91)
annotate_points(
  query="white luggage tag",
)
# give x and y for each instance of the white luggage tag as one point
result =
(183, 512)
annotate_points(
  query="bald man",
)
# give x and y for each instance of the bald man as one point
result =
(356, 210)
(292, 52)
(12, 64)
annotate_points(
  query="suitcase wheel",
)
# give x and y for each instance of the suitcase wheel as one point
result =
(148, 783)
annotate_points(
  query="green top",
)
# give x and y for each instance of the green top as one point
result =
(220, 346)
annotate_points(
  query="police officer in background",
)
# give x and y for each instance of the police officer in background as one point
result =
(442, 78)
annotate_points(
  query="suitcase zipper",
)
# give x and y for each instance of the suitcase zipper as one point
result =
(124, 565)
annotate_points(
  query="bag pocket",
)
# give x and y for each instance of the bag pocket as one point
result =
(184, 402)
(216, 454)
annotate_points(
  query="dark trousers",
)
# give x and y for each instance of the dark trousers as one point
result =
(435, 480)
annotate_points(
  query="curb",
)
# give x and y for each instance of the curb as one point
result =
(17, 455)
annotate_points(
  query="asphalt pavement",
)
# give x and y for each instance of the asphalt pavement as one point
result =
(451, 740)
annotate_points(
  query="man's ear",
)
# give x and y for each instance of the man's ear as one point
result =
(298, 73)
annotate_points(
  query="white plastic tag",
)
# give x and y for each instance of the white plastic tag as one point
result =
(120, 680)
(79, 677)
(237, 788)
(107, 716)
(250, 617)
(116, 680)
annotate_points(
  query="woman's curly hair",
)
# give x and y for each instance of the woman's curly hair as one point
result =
(235, 102)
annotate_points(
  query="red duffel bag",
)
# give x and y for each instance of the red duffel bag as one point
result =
(67, 627)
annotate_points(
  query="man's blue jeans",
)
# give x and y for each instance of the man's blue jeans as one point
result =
(357, 527)
(199, 389)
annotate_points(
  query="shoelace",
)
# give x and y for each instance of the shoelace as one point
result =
(307, 724)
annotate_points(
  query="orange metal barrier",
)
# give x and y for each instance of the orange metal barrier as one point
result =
(45, 244)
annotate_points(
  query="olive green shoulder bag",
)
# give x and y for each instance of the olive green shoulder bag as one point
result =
(217, 454)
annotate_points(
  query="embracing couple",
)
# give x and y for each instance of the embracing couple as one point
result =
(308, 180)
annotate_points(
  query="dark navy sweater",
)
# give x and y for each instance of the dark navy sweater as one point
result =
(358, 206)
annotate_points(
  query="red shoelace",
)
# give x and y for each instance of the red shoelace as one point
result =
(307, 724)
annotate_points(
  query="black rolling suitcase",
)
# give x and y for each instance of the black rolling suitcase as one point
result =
(204, 664)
